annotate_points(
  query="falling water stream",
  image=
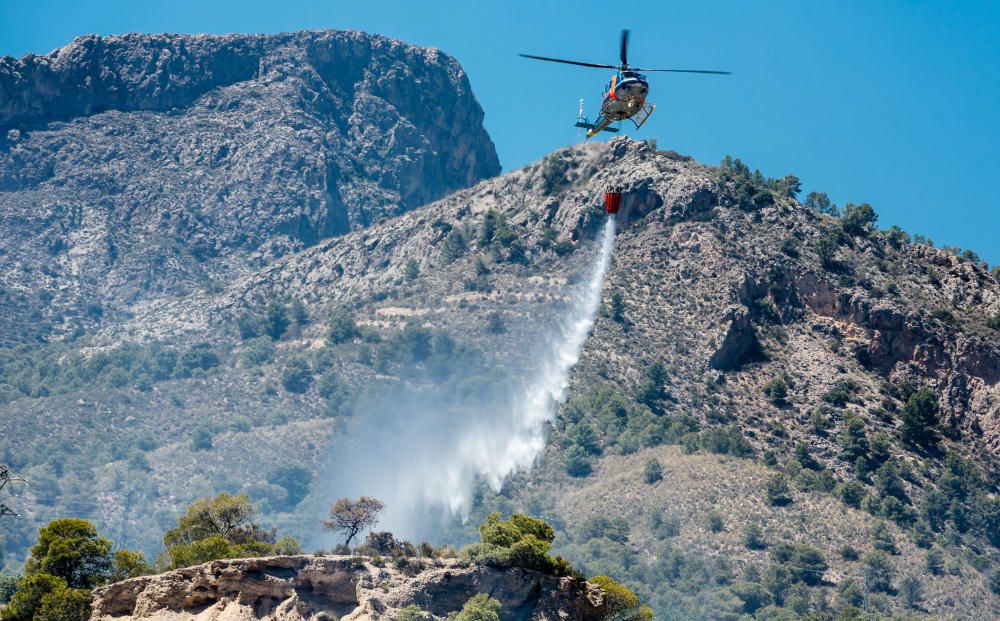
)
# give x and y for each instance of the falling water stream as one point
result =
(518, 441)
(420, 458)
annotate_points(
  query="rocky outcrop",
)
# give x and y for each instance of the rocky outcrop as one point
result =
(139, 166)
(738, 343)
(298, 588)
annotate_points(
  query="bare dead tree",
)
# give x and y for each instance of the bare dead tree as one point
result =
(351, 517)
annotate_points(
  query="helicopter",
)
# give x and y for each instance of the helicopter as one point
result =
(624, 96)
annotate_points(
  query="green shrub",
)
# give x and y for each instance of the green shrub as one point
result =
(341, 327)
(934, 562)
(805, 458)
(879, 570)
(821, 203)
(202, 551)
(853, 438)
(554, 168)
(714, 521)
(883, 540)
(777, 391)
(202, 439)
(616, 307)
(258, 351)
(217, 528)
(411, 613)
(664, 526)
(127, 564)
(858, 220)
(652, 391)
(299, 313)
(728, 440)
(479, 608)
(826, 249)
(753, 595)
(622, 603)
(276, 320)
(8, 586)
(198, 357)
(576, 461)
(495, 323)
(297, 376)
(911, 592)
(495, 230)
(897, 237)
(852, 493)
(777, 491)
(920, 417)
(751, 190)
(841, 394)
(251, 325)
(804, 563)
(520, 541)
(329, 385)
(888, 481)
(597, 526)
(455, 245)
(994, 582)
(411, 270)
(294, 479)
(27, 602)
(753, 537)
(652, 472)
(994, 321)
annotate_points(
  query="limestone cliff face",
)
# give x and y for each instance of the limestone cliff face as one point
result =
(294, 588)
(137, 166)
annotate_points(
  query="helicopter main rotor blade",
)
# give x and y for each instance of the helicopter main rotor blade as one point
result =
(683, 71)
(624, 51)
(568, 62)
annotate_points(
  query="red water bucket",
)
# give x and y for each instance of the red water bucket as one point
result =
(612, 200)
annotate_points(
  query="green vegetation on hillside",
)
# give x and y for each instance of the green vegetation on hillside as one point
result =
(221, 527)
(68, 561)
(32, 372)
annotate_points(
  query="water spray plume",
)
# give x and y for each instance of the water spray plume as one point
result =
(423, 455)
(517, 446)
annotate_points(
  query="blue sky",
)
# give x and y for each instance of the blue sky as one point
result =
(892, 102)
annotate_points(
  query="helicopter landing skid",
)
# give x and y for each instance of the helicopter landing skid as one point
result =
(643, 115)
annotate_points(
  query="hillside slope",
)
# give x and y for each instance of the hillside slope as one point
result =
(720, 277)
(139, 167)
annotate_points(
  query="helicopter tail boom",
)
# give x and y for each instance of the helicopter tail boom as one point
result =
(602, 125)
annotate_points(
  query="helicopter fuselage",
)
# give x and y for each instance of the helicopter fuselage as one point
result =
(624, 96)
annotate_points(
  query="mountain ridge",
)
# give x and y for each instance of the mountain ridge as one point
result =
(212, 155)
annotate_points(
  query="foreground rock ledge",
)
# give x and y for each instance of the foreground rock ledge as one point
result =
(310, 588)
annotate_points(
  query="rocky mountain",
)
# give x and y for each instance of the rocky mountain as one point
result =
(779, 412)
(744, 338)
(347, 588)
(136, 168)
